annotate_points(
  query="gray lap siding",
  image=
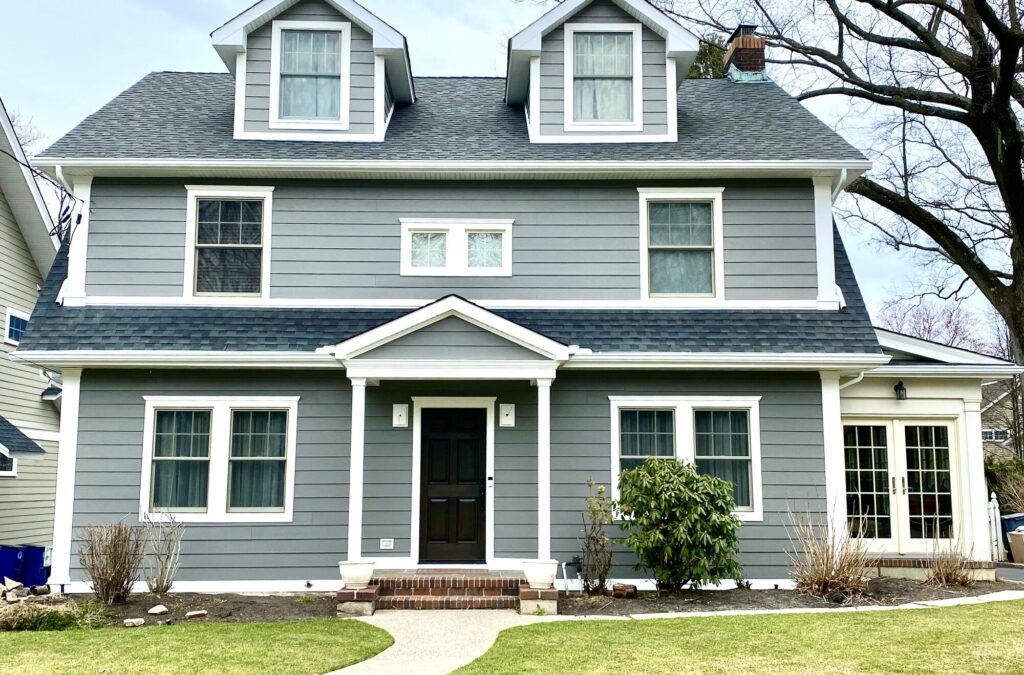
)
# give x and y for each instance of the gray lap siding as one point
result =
(110, 449)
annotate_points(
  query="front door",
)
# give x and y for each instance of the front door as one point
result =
(452, 508)
(900, 478)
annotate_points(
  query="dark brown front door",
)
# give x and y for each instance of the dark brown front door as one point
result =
(452, 510)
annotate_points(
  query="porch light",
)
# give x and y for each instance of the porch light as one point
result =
(901, 391)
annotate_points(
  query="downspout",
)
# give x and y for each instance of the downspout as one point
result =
(840, 185)
(853, 381)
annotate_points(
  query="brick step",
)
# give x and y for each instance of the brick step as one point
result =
(451, 584)
(447, 602)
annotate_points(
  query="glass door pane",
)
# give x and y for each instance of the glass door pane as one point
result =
(868, 502)
(928, 490)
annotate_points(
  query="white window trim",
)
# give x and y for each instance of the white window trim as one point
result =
(456, 241)
(13, 473)
(220, 451)
(17, 313)
(685, 442)
(638, 77)
(197, 192)
(713, 195)
(342, 123)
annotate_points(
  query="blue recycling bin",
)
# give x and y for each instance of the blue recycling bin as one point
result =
(1011, 523)
(24, 564)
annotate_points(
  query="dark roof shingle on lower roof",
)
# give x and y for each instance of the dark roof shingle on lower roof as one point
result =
(190, 116)
(849, 331)
(15, 440)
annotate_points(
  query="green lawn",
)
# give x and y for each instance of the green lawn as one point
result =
(302, 647)
(971, 639)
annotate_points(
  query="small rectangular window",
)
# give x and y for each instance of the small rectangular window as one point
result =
(8, 466)
(644, 434)
(259, 451)
(181, 460)
(681, 248)
(456, 248)
(17, 323)
(229, 247)
(603, 77)
(310, 75)
(722, 449)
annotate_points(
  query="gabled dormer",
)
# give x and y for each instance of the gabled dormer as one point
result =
(320, 70)
(600, 71)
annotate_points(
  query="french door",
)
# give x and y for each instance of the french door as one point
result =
(901, 484)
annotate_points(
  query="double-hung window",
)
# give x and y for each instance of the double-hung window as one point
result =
(8, 465)
(15, 326)
(228, 240)
(451, 247)
(309, 86)
(682, 240)
(604, 71)
(219, 459)
(719, 435)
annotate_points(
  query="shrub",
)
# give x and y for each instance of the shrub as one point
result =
(680, 524)
(597, 545)
(1006, 478)
(33, 616)
(111, 555)
(949, 567)
(829, 564)
(163, 538)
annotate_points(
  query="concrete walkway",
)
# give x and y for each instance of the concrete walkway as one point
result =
(440, 641)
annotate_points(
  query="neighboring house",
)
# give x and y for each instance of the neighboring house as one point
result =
(322, 310)
(1001, 418)
(28, 424)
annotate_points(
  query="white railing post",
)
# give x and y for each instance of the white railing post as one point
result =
(995, 529)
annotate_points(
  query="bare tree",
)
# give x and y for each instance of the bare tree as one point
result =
(937, 89)
(27, 132)
(1007, 397)
(952, 324)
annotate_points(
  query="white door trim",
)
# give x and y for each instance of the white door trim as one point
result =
(420, 403)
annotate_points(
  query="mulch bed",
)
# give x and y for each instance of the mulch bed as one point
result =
(228, 607)
(887, 592)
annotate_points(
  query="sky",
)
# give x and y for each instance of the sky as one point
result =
(64, 59)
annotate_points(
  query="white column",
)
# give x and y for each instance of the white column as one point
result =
(977, 543)
(355, 472)
(67, 453)
(832, 428)
(825, 243)
(544, 469)
(74, 288)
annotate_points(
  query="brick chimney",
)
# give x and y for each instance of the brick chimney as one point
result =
(744, 59)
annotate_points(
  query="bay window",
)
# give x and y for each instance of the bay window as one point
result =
(219, 459)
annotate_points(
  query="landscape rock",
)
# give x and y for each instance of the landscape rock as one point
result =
(198, 614)
(159, 610)
(624, 591)
(134, 623)
(11, 584)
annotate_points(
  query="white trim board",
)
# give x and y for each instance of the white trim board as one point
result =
(219, 459)
(419, 403)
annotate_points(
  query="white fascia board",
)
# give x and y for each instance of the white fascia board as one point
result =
(968, 371)
(411, 169)
(451, 307)
(933, 350)
(727, 361)
(229, 39)
(680, 43)
(409, 369)
(24, 198)
(173, 359)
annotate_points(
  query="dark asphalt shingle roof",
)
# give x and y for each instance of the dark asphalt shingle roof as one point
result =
(12, 438)
(303, 330)
(190, 116)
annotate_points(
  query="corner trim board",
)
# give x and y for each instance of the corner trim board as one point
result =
(67, 455)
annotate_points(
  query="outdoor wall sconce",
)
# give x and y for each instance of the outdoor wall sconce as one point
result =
(901, 391)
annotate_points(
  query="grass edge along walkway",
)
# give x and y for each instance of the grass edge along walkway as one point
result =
(966, 639)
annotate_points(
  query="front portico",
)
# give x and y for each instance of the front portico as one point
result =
(428, 390)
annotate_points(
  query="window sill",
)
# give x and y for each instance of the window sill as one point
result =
(609, 127)
(309, 125)
(449, 272)
(218, 518)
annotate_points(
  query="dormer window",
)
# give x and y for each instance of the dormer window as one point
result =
(604, 71)
(309, 79)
